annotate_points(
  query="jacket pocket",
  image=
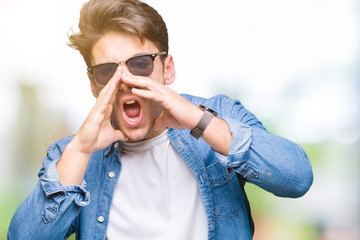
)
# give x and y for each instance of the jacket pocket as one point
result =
(228, 196)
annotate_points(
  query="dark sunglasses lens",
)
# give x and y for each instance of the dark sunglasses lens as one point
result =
(104, 72)
(141, 66)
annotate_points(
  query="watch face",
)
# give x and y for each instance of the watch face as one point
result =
(208, 109)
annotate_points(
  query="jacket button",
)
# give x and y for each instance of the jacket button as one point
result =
(101, 219)
(111, 174)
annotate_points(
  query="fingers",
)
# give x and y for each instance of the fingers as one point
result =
(176, 109)
(104, 104)
(144, 93)
(141, 82)
(108, 93)
(150, 89)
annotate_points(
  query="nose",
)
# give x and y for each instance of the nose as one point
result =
(123, 86)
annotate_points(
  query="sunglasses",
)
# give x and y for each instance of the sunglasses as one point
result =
(142, 65)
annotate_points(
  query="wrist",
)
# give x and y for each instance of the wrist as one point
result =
(75, 147)
(198, 113)
(72, 165)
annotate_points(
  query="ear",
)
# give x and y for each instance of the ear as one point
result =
(169, 70)
(92, 85)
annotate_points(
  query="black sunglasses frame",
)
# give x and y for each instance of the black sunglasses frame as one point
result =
(152, 55)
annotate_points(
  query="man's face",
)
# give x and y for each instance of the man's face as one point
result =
(133, 115)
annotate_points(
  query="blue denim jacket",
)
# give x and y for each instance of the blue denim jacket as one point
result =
(275, 164)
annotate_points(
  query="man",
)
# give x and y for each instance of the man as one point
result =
(155, 164)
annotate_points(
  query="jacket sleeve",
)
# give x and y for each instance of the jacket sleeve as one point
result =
(51, 209)
(269, 161)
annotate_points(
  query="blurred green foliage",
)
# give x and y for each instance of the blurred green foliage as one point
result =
(8, 205)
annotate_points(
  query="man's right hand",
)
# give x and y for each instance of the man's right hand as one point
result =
(95, 134)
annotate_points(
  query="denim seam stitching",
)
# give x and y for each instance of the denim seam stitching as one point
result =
(227, 179)
(233, 214)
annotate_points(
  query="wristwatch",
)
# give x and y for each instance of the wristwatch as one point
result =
(204, 121)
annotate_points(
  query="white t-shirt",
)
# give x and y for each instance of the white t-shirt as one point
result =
(156, 196)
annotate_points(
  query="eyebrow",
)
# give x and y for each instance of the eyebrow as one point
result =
(140, 54)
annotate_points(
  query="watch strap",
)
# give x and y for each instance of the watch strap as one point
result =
(203, 123)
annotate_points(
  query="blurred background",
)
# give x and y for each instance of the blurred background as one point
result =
(294, 64)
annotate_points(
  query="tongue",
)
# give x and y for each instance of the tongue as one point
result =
(132, 110)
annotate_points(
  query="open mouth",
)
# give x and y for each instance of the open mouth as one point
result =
(132, 110)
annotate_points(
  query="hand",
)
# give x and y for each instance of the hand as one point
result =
(177, 111)
(97, 132)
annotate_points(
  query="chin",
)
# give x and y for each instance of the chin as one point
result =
(131, 139)
(137, 135)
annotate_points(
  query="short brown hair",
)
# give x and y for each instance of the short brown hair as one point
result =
(98, 17)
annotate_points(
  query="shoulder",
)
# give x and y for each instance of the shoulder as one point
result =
(215, 100)
(226, 107)
(221, 103)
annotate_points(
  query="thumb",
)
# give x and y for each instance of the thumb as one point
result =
(119, 136)
(160, 123)
(166, 120)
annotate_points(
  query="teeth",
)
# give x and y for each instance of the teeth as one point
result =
(133, 119)
(130, 102)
